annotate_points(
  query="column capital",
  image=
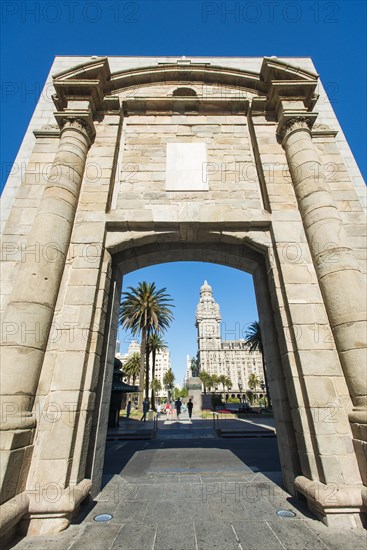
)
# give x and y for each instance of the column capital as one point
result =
(81, 121)
(290, 122)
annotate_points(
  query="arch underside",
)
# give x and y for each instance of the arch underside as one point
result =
(239, 256)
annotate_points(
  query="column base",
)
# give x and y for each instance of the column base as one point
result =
(28, 514)
(44, 524)
(358, 422)
(54, 514)
(339, 506)
(10, 516)
(15, 457)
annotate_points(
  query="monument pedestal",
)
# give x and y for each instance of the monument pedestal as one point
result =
(195, 390)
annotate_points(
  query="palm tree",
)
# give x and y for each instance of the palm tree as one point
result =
(156, 343)
(142, 310)
(215, 380)
(254, 343)
(222, 379)
(228, 383)
(225, 381)
(132, 367)
(168, 381)
(206, 379)
(253, 381)
(210, 382)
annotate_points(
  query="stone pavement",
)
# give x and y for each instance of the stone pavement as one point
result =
(194, 492)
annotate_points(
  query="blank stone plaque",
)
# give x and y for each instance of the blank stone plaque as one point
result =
(186, 167)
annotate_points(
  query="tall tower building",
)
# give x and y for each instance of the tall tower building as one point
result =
(208, 320)
(222, 357)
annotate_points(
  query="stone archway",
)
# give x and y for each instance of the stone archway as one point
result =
(140, 176)
(229, 254)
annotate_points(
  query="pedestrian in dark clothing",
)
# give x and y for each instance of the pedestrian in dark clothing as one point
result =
(190, 406)
(128, 410)
(178, 405)
(145, 409)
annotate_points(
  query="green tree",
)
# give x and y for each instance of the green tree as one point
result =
(176, 393)
(206, 379)
(228, 383)
(225, 381)
(222, 380)
(132, 367)
(184, 393)
(168, 381)
(250, 396)
(254, 343)
(156, 344)
(145, 309)
(215, 381)
(210, 382)
(253, 381)
(156, 385)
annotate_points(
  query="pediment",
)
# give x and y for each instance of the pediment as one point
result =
(94, 81)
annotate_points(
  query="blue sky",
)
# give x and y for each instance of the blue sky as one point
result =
(333, 34)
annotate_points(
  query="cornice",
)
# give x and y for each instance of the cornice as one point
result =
(93, 81)
(273, 69)
(292, 90)
(200, 72)
(46, 131)
(323, 130)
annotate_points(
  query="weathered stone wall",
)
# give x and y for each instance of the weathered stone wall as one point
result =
(230, 170)
(280, 197)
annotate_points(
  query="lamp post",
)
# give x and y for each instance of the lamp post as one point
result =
(240, 386)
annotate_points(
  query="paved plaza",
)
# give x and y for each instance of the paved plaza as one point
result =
(189, 489)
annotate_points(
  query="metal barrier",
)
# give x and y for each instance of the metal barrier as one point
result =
(216, 420)
(155, 424)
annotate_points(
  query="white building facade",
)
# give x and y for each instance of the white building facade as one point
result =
(223, 357)
(188, 370)
(162, 364)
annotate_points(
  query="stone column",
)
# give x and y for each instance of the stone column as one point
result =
(340, 277)
(341, 281)
(28, 318)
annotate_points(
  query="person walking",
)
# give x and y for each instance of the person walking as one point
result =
(178, 405)
(168, 410)
(128, 410)
(159, 410)
(145, 410)
(190, 406)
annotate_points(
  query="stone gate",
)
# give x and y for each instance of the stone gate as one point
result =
(130, 162)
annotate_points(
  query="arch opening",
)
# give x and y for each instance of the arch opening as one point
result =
(243, 258)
